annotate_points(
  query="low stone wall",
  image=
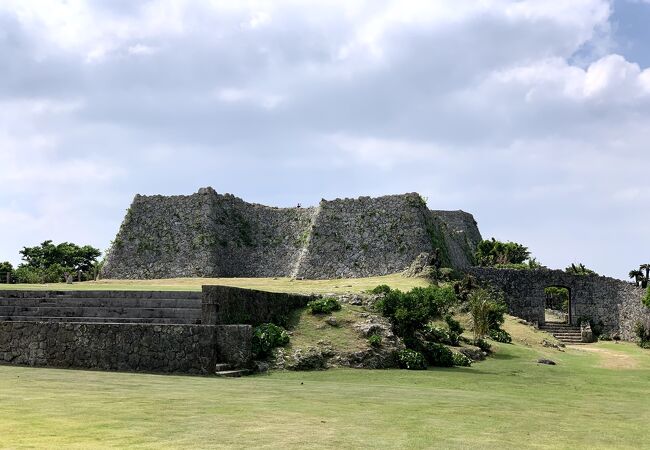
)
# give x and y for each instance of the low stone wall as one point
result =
(125, 347)
(224, 305)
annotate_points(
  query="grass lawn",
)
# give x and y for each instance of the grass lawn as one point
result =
(595, 397)
(339, 286)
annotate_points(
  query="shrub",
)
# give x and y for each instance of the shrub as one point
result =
(461, 360)
(381, 289)
(411, 360)
(437, 354)
(483, 345)
(491, 252)
(410, 311)
(29, 275)
(454, 325)
(646, 298)
(266, 337)
(486, 309)
(374, 340)
(324, 305)
(434, 333)
(643, 333)
(501, 336)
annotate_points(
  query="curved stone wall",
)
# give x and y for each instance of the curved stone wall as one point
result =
(211, 235)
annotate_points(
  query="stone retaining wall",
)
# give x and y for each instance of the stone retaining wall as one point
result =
(224, 305)
(125, 347)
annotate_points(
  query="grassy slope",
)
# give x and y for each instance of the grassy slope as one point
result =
(339, 286)
(508, 401)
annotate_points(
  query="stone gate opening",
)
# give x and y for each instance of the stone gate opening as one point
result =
(557, 304)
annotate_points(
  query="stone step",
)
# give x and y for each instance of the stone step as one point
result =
(13, 294)
(158, 320)
(103, 302)
(232, 373)
(73, 311)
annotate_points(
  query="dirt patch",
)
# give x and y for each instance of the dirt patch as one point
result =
(610, 359)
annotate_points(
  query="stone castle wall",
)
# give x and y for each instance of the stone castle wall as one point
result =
(211, 235)
(613, 303)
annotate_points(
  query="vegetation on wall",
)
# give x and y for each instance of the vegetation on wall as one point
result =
(505, 255)
(579, 269)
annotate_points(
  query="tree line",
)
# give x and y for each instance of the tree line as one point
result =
(53, 263)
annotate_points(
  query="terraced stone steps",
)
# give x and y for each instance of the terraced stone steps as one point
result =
(101, 306)
(569, 334)
(159, 321)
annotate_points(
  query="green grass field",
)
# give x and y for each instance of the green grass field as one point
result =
(596, 397)
(339, 286)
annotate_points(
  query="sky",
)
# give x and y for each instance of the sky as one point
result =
(533, 115)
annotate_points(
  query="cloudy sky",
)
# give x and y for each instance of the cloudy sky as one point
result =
(534, 115)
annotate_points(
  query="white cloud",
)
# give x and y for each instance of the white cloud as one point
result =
(515, 110)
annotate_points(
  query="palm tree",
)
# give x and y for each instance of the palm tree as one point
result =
(646, 267)
(637, 275)
(644, 279)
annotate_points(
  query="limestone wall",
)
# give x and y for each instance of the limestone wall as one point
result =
(212, 235)
(614, 303)
(124, 347)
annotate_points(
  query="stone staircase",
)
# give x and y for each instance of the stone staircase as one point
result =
(568, 334)
(226, 370)
(101, 307)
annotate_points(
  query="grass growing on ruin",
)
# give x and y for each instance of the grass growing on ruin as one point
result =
(508, 401)
(336, 286)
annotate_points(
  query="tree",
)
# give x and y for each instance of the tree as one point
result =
(636, 275)
(6, 268)
(644, 280)
(48, 262)
(66, 254)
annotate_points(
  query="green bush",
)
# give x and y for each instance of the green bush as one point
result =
(643, 333)
(454, 325)
(500, 336)
(381, 289)
(266, 337)
(492, 252)
(435, 333)
(437, 354)
(483, 345)
(24, 274)
(461, 360)
(646, 298)
(324, 305)
(411, 360)
(410, 311)
(374, 340)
